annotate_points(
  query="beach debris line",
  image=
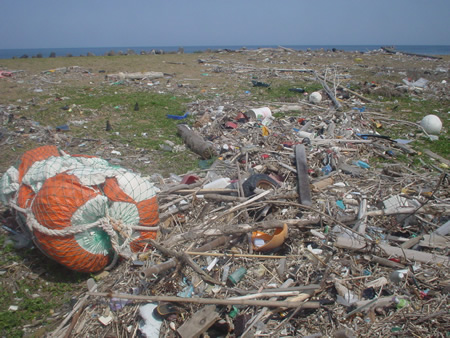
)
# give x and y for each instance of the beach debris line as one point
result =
(309, 220)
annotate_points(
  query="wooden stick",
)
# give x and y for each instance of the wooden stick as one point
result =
(304, 288)
(181, 187)
(224, 198)
(214, 254)
(339, 140)
(268, 294)
(74, 321)
(211, 245)
(244, 302)
(207, 191)
(392, 211)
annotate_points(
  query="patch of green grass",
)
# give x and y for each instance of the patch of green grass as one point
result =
(144, 128)
(54, 287)
(413, 109)
(440, 147)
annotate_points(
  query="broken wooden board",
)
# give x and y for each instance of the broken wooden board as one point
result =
(304, 190)
(199, 322)
(435, 241)
(419, 256)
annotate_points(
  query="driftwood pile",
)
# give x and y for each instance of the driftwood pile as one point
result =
(360, 248)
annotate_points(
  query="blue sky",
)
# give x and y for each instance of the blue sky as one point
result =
(100, 23)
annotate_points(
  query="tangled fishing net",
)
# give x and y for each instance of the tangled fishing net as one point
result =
(80, 210)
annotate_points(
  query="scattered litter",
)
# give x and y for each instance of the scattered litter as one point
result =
(151, 326)
(421, 83)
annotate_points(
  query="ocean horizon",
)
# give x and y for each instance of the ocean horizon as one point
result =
(98, 51)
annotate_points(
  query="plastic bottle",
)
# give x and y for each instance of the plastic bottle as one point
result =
(218, 184)
(226, 270)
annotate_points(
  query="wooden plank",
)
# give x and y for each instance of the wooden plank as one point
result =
(419, 256)
(304, 190)
(199, 322)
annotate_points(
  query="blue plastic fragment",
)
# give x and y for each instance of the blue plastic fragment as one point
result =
(362, 164)
(327, 169)
(364, 137)
(186, 292)
(176, 117)
(117, 304)
(340, 204)
(63, 127)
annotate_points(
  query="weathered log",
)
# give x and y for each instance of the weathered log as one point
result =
(195, 142)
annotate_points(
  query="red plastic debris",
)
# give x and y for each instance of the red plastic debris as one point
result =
(396, 260)
(189, 179)
(241, 118)
(230, 125)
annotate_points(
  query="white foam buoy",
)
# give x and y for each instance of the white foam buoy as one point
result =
(315, 98)
(432, 124)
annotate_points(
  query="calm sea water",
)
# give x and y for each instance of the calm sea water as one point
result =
(45, 52)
